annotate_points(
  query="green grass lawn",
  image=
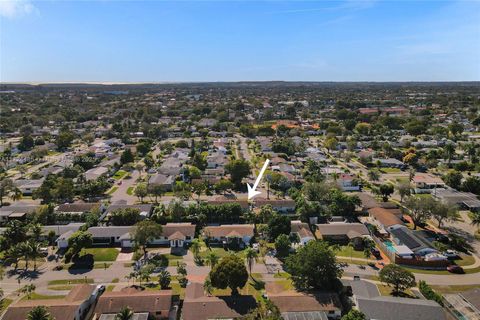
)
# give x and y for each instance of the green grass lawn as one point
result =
(112, 190)
(390, 170)
(67, 281)
(454, 288)
(101, 254)
(119, 174)
(387, 291)
(222, 252)
(130, 190)
(441, 272)
(36, 296)
(110, 288)
(4, 303)
(465, 260)
(353, 261)
(348, 251)
(254, 288)
(61, 287)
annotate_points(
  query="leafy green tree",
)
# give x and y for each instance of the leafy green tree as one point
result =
(373, 175)
(314, 266)
(354, 314)
(397, 277)
(39, 313)
(223, 185)
(472, 184)
(429, 293)
(282, 245)
(212, 258)
(127, 156)
(453, 179)
(141, 191)
(238, 169)
(6, 185)
(28, 289)
(404, 189)
(124, 216)
(78, 241)
(386, 190)
(444, 212)
(265, 310)
(230, 272)
(278, 224)
(64, 140)
(182, 190)
(156, 191)
(144, 232)
(331, 143)
(419, 209)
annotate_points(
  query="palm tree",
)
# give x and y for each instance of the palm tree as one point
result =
(39, 313)
(35, 231)
(16, 194)
(449, 150)
(212, 259)
(207, 286)
(251, 256)
(195, 247)
(24, 249)
(14, 253)
(373, 175)
(28, 289)
(475, 219)
(34, 252)
(164, 279)
(125, 314)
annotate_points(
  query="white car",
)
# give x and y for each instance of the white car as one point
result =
(450, 254)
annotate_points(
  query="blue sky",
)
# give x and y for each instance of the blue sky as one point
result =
(154, 41)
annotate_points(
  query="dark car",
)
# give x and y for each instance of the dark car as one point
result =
(453, 268)
(375, 252)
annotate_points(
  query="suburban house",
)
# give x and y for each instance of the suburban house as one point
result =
(348, 182)
(291, 303)
(383, 219)
(156, 304)
(79, 208)
(74, 306)
(111, 236)
(427, 183)
(95, 173)
(165, 181)
(16, 211)
(396, 308)
(280, 205)
(302, 230)
(28, 186)
(198, 306)
(464, 200)
(230, 233)
(389, 163)
(62, 232)
(466, 304)
(342, 233)
(176, 235)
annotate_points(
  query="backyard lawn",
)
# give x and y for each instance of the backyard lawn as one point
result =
(101, 254)
(348, 251)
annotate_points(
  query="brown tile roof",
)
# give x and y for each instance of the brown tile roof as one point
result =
(198, 306)
(275, 203)
(352, 230)
(301, 228)
(61, 309)
(137, 300)
(180, 230)
(385, 217)
(77, 207)
(220, 201)
(237, 230)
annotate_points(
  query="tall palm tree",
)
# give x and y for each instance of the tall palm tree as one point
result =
(39, 313)
(16, 194)
(475, 219)
(195, 247)
(251, 256)
(207, 286)
(24, 249)
(373, 175)
(125, 314)
(164, 279)
(28, 289)
(34, 252)
(35, 230)
(212, 259)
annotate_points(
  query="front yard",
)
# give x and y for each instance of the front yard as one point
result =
(101, 254)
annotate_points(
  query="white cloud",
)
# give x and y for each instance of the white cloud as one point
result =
(16, 8)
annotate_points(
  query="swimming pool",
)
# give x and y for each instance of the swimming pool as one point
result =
(390, 246)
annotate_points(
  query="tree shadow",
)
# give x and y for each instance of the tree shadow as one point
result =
(82, 264)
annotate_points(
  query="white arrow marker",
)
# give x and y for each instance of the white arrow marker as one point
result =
(252, 192)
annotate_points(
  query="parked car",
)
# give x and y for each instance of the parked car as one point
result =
(376, 253)
(453, 268)
(450, 254)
